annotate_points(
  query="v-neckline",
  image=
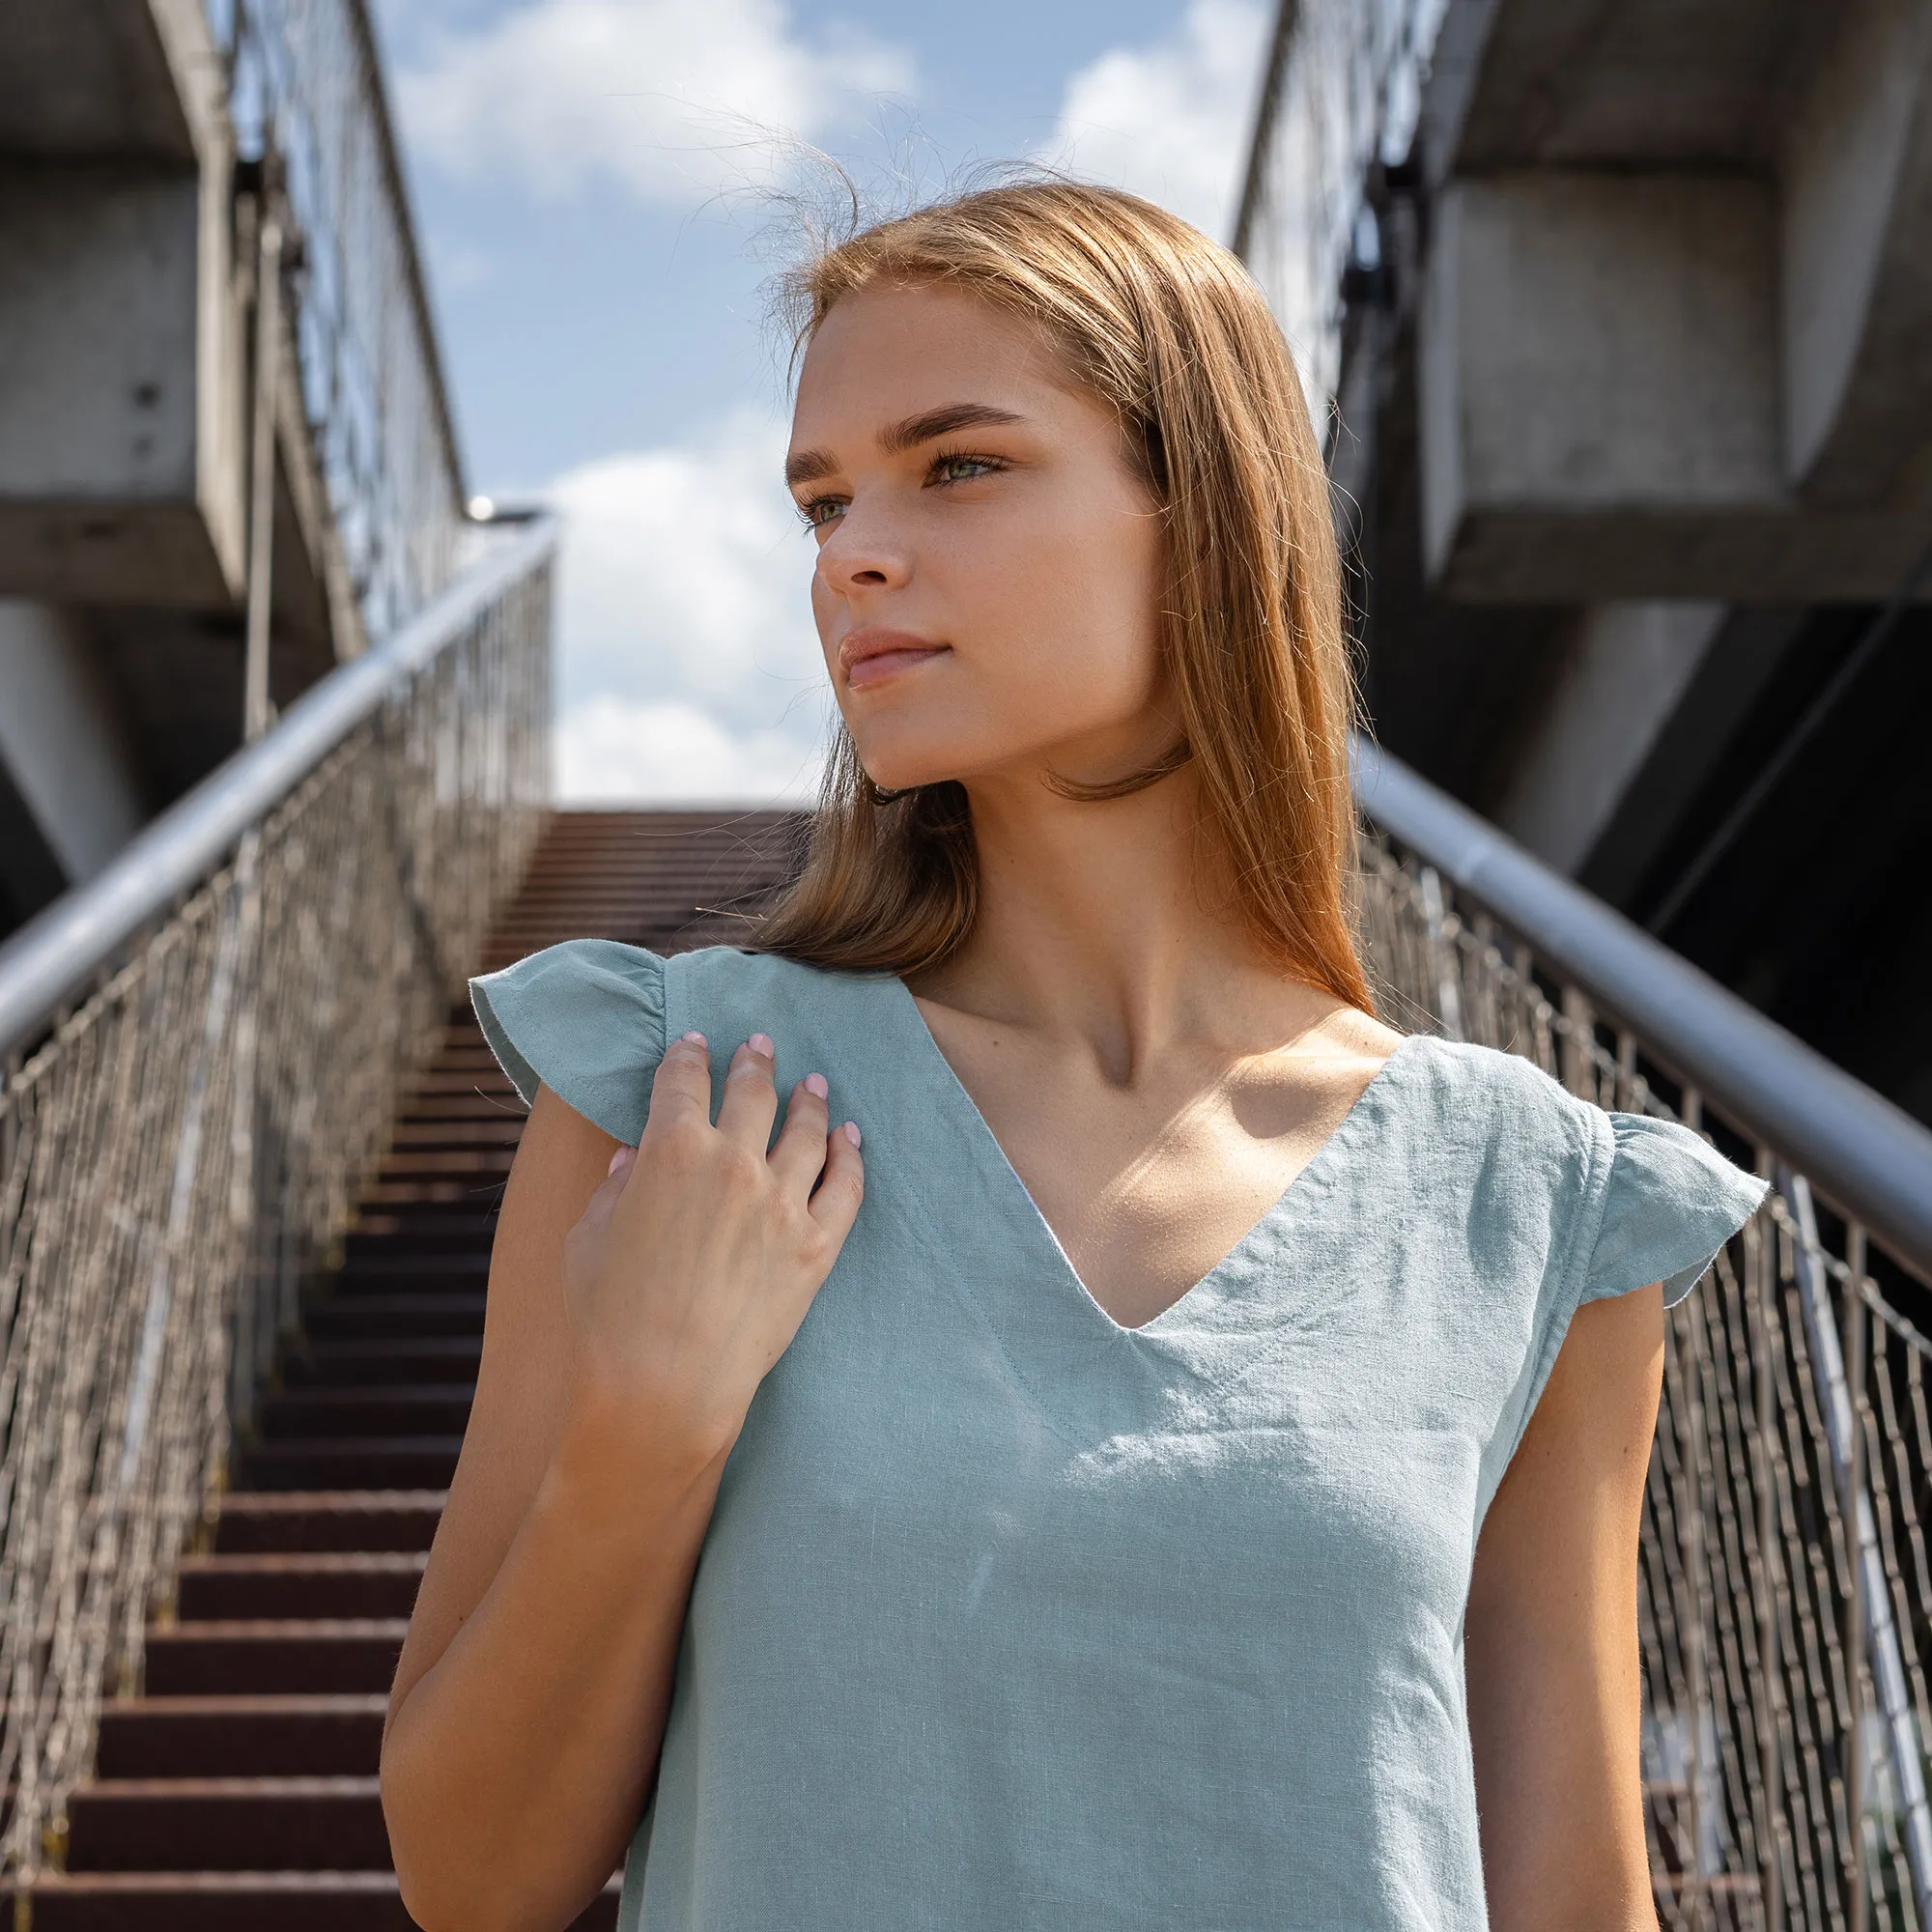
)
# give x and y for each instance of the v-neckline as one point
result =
(979, 1133)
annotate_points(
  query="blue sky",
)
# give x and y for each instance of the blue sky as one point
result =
(594, 183)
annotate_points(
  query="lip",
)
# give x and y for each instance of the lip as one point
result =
(874, 653)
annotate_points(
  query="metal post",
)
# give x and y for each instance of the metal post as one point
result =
(255, 711)
(1691, 1537)
(1858, 1329)
(1771, 1773)
(1442, 956)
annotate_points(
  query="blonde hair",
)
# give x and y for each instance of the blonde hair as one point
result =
(1169, 330)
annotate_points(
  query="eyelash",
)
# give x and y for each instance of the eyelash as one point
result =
(807, 511)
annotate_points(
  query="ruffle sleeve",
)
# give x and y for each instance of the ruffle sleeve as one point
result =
(1671, 1202)
(587, 1018)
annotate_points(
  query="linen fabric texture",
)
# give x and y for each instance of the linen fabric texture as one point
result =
(1010, 1616)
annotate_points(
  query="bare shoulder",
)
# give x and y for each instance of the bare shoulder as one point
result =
(1348, 1044)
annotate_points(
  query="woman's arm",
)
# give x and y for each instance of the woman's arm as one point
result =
(1551, 1642)
(630, 1319)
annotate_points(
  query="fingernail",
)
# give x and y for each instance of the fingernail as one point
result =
(851, 1131)
(761, 1043)
(623, 1157)
(696, 1038)
(814, 1083)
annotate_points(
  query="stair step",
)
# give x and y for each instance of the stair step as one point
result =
(248, 1656)
(314, 1736)
(435, 1233)
(356, 1521)
(213, 1824)
(359, 1317)
(499, 1133)
(448, 1164)
(258, 1734)
(224, 1901)
(470, 1194)
(299, 1583)
(448, 1358)
(409, 1272)
(351, 1462)
(388, 1409)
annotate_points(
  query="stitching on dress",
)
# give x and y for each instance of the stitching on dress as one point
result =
(1603, 1142)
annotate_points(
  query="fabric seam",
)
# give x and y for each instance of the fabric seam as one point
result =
(1603, 1143)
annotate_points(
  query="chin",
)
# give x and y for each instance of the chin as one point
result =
(896, 762)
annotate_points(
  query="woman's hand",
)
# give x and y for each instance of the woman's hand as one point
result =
(694, 1262)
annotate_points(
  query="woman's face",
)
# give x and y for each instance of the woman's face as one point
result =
(989, 565)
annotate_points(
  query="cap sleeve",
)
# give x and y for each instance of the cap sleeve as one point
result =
(1671, 1202)
(586, 1018)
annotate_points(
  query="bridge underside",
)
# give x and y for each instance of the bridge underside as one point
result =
(1637, 440)
(124, 291)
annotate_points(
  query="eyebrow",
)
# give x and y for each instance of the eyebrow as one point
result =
(807, 465)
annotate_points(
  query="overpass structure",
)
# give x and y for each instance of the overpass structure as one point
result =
(1623, 310)
(219, 385)
(1616, 314)
(248, 1180)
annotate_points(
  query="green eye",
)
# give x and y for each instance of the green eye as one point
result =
(962, 468)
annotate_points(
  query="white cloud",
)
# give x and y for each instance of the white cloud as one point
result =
(671, 99)
(688, 662)
(1170, 121)
(611, 749)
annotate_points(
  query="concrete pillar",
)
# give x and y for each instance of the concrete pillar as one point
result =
(62, 743)
(1627, 668)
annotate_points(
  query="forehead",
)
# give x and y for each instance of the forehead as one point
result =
(886, 354)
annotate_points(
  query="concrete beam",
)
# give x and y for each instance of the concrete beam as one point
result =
(89, 79)
(1601, 401)
(1655, 84)
(1857, 259)
(62, 741)
(120, 389)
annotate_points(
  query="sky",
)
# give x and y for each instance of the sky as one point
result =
(604, 189)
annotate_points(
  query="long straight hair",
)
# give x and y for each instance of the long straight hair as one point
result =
(1167, 329)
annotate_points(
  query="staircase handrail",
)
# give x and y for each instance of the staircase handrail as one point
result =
(1870, 1158)
(71, 942)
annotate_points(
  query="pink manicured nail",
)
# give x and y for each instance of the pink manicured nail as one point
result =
(814, 1083)
(851, 1132)
(623, 1157)
(761, 1043)
(696, 1038)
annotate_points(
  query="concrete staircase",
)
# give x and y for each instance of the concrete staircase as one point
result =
(238, 1790)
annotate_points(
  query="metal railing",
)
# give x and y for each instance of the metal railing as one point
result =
(204, 1049)
(1341, 92)
(305, 86)
(1785, 1592)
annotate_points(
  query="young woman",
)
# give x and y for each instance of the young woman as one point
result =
(1186, 1472)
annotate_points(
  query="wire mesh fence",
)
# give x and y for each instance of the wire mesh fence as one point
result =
(181, 1148)
(1348, 97)
(305, 86)
(1785, 1591)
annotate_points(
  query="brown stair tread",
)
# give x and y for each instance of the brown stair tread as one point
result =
(319, 1561)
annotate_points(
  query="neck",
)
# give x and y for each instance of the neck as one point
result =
(1116, 922)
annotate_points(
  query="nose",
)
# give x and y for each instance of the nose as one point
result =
(862, 554)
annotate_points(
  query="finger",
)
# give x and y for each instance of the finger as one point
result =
(681, 1087)
(751, 1102)
(800, 1152)
(834, 1207)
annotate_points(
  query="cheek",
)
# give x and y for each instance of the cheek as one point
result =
(1083, 602)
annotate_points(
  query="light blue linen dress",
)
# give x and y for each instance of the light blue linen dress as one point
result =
(1011, 1618)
